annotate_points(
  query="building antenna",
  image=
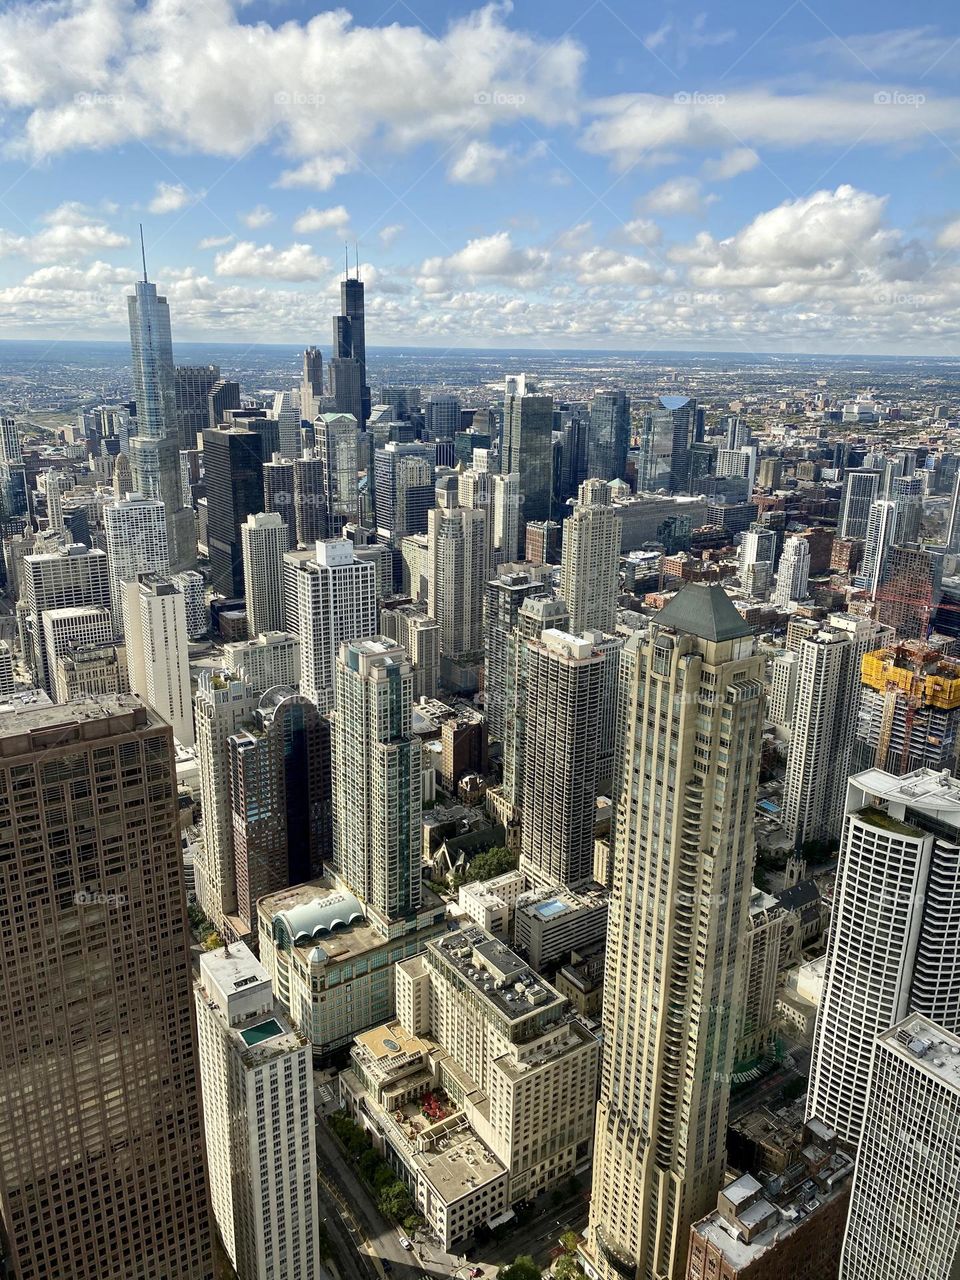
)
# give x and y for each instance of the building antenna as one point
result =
(356, 245)
(346, 260)
(143, 254)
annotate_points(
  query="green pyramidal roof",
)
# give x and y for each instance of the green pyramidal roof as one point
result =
(703, 610)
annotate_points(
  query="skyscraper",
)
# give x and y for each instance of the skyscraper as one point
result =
(193, 384)
(909, 714)
(894, 946)
(564, 689)
(279, 798)
(505, 595)
(419, 636)
(309, 497)
(223, 704)
(224, 396)
(101, 1170)
(505, 499)
(441, 417)
(193, 587)
(287, 417)
(264, 542)
(136, 541)
(158, 650)
(758, 553)
(861, 488)
(155, 449)
(904, 1218)
(527, 444)
(692, 686)
(668, 435)
(257, 1078)
(350, 342)
(329, 596)
(278, 495)
(233, 461)
(377, 777)
(70, 577)
(609, 436)
(824, 723)
(337, 439)
(403, 488)
(792, 573)
(14, 496)
(590, 560)
(456, 571)
(311, 387)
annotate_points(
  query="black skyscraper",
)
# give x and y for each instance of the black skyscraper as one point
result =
(350, 337)
(194, 384)
(233, 464)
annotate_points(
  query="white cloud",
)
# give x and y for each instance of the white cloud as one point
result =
(109, 72)
(642, 231)
(171, 197)
(478, 163)
(96, 275)
(634, 128)
(297, 262)
(215, 242)
(387, 235)
(334, 219)
(949, 237)
(260, 216)
(488, 257)
(71, 230)
(607, 267)
(731, 164)
(676, 196)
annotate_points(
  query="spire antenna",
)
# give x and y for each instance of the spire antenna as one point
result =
(346, 261)
(143, 254)
(356, 245)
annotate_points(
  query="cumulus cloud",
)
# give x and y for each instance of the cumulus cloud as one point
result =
(215, 242)
(335, 219)
(109, 72)
(170, 197)
(949, 237)
(246, 259)
(607, 267)
(478, 163)
(387, 235)
(677, 196)
(72, 230)
(493, 257)
(260, 216)
(642, 231)
(731, 164)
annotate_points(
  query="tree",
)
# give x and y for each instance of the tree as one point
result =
(394, 1201)
(492, 862)
(522, 1268)
(570, 1241)
(568, 1268)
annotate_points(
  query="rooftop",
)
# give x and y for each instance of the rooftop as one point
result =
(927, 1046)
(508, 983)
(704, 610)
(924, 791)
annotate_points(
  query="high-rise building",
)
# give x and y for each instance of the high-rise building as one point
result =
(527, 444)
(193, 384)
(403, 488)
(758, 552)
(82, 625)
(909, 716)
(861, 488)
(883, 527)
(681, 889)
(337, 439)
(590, 560)
(329, 596)
(419, 636)
(257, 1077)
(824, 723)
(224, 396)
(793, 573)
(505, 595)
(135, 530)
(193, 587)
(505, 502)
(56, 484)
(287, 416)
(155, 449)
(666, 440)
(609, 435)
(7, 681)
(377, 782)
(907, 492)
(233, 463)
(309, 497)
(894, 946)
(266, 660)
(14, 494)
(350, 344)
(441, 417)
(223, 704)
(278, 495)
(456, 571)
(904, 1219)
(73, 576)
(564, 676)
(101, 1171)
(346, 387)
(279, 798)
(264, 541)
(158, 656)
(311, 388)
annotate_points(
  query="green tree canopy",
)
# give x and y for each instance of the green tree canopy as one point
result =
(522, 1268)
(493, 862)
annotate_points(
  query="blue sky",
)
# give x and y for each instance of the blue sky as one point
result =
(748, 177)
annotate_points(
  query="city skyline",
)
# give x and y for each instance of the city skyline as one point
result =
(706, 178)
